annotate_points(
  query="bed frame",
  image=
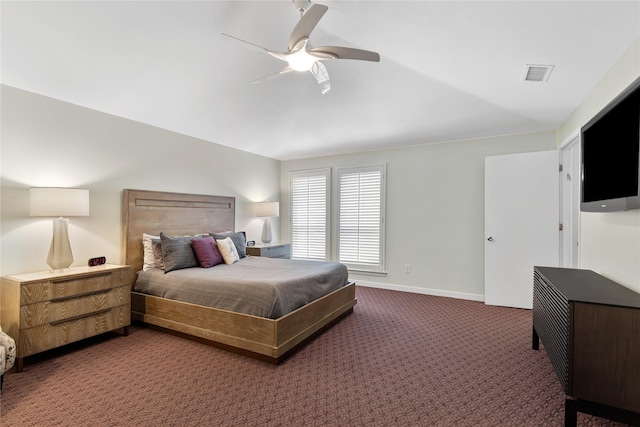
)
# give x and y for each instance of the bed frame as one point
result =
(178, 214)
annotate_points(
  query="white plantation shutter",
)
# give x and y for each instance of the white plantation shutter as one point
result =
(310, 214)
(361, 218)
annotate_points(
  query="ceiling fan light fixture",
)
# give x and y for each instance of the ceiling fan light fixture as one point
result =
(301, 61)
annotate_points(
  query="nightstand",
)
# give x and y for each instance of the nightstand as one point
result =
(46, 310)
(272, 251)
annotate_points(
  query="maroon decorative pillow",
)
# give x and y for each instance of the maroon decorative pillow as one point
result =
(207, 252)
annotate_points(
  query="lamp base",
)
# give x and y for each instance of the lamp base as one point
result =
(266, 231)
(60, 255)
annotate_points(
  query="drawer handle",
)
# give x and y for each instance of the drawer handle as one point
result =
(71, 279)
(86, 294)
(82, 316)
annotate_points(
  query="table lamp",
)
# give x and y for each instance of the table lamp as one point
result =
(267, 210)
(59, 202)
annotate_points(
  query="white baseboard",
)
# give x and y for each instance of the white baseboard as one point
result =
(424, 291)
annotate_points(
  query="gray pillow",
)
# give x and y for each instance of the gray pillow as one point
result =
(239, 239)
(177, 252)
(156, 245)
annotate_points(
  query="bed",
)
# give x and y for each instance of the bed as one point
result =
(268, 339)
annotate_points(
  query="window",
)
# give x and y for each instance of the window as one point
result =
(361, 218)
(310, 214)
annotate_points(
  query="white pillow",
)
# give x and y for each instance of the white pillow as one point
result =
(228, 250)
(149, 259)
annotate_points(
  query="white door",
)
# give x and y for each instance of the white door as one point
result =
(521, 224)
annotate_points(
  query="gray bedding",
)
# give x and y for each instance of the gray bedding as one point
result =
(259, 286)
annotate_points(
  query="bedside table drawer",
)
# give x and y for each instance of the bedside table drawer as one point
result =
(273, 251)
(51, 311)
(68, 287)
(54, 334)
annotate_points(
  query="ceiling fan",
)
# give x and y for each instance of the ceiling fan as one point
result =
(301, 56)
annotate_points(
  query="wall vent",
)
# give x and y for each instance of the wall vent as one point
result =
(537, 73)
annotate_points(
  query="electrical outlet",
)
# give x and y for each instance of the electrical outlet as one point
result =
(407, 268)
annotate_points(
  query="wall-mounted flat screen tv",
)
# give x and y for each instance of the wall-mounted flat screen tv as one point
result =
(611, 155)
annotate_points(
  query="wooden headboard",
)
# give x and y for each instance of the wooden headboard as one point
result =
(176, 214)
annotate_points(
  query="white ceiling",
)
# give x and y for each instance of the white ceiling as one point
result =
(449, 70)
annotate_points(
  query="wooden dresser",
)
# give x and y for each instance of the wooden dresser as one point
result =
(590, 328)
(45, 310)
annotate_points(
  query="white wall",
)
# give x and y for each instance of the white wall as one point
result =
(435, 210)
(609, 242)
(45, 142)
(434, 206)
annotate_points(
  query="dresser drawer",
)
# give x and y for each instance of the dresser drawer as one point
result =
(55, 334)
(551, 321)
(71, 286)
(68, 307)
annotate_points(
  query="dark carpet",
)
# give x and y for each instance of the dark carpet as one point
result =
(400, 359)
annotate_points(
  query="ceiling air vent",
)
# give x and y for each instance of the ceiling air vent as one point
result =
(537, 73)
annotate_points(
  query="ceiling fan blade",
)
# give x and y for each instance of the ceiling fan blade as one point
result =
(319, 71)
(279, 55)
(272, 76)
(340, 52)
(245, 43)
(306, 24)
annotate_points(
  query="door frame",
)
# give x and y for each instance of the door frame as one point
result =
(570, 155)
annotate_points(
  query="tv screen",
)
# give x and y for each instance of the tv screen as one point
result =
(611, 155)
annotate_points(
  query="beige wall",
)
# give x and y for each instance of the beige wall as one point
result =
(435, 210)
(435, 193)
(609, 242)
(45, 142)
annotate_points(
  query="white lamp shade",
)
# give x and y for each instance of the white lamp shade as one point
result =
(268, 209)
(58, 202)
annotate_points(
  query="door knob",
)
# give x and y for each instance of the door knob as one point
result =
(490, 239)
